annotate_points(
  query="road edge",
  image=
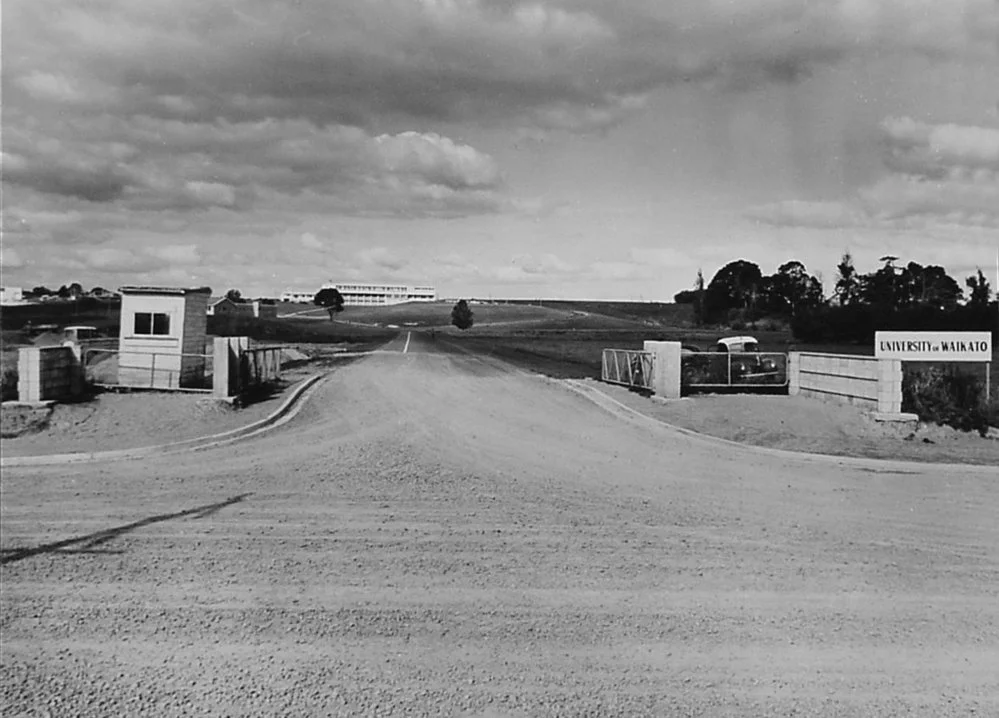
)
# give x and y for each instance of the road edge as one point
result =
(284, 413)
(587, 392)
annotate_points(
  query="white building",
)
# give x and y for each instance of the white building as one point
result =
(162, 337)
(11, 295)
(299, 296)
(357, 294)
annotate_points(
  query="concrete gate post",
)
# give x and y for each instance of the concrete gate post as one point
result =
(666, 375)
(889, 386)
(220, 368)
(793, 373)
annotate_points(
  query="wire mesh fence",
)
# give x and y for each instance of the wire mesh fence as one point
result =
(113, 368)
(733, 369)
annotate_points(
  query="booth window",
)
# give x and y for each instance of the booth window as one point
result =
(152, 323)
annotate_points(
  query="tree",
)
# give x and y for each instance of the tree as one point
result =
(43, 291)
(980, 291)
(735, 286)
(235, 296)
(461, 315)
(694, 296)
(927, 286)
(791, 288)
(331, 299)
(847, 284)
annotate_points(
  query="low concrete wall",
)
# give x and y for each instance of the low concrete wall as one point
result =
(874, 384)
(48, 373)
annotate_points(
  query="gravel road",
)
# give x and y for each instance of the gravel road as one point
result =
(437, 534)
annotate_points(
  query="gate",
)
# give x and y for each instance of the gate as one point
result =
(628, 367)
(733, 370)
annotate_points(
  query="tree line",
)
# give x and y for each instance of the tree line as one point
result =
(894, 296)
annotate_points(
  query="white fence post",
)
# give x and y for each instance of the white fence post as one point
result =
(794, 373)
(666, 368)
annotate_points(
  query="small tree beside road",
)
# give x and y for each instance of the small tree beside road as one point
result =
(330, 299)
(461, 315)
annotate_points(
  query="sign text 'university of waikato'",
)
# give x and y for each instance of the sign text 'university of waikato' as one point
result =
(934, 346)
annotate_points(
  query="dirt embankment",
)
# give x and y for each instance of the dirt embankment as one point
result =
(796, 423)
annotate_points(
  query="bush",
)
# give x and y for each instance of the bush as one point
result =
(948, 397)
(8, 383)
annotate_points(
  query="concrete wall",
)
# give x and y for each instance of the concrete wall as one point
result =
(48, 373)
(192, 365)
(867, 382)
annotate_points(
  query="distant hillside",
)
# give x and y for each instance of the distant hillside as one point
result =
(660, 313)
(101, 313)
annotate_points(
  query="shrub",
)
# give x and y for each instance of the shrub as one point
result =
(948, 397)
(8, 383)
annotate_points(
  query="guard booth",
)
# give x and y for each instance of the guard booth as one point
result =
(162, 337)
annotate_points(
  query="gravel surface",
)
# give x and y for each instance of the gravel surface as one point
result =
(797, 423)
(435, 535)
(135, 419)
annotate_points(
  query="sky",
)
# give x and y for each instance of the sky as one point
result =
(576, 149)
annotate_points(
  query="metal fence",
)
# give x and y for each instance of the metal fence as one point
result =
(736, 369)
(628, 367)
(112, 368)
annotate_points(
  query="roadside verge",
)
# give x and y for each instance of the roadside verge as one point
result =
(285, 412)
(624, 412)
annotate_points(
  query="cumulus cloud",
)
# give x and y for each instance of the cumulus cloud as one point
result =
(154, 164)
(381, 258)
(920, 146)
(310, 241)
(800, 213)
(10, 258)
(578, 67)
(943, 174)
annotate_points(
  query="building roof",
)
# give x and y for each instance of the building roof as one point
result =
(212, 301)
(179, 291)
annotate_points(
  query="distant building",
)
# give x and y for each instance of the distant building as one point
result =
(361, 295)
(298, 296)
(162, 337)
(11, 295)
(219, 306)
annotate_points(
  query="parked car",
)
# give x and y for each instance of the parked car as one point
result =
(745, 365)
(80, 333)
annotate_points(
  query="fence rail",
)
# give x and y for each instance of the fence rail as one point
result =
(628, 367)
(735, 369)
(113, 368)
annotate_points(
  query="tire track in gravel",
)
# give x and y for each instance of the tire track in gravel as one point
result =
(435, 535)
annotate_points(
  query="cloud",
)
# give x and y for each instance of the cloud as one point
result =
(580, 67)
(800, 213)
(944, 174)
(919, 146)
(153, 164)
(10, 258)
(382, 258)
(310, 241)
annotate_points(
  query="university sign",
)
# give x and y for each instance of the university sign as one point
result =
(934, 346)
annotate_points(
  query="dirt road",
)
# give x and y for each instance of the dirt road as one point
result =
(435, 534)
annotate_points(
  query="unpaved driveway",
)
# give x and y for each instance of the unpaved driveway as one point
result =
(436, 535)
